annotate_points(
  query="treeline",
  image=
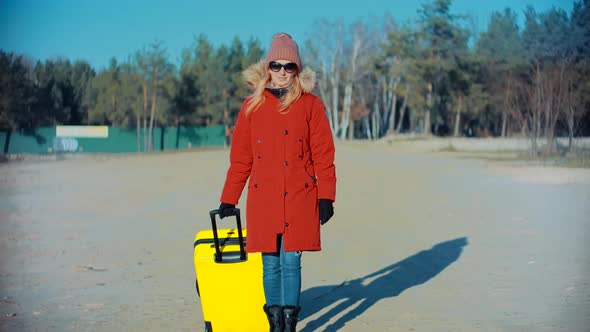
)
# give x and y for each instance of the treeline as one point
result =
(436, 75)
(144, 92)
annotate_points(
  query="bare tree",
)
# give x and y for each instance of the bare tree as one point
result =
(546, 98)
(324, 50)
(154, 68)
(357, 67)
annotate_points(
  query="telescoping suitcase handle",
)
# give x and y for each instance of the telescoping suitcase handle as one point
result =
(229, 257)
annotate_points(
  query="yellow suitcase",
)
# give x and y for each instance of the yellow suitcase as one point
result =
(228, 280)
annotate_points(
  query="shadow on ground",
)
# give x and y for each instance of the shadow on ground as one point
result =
(362, 293)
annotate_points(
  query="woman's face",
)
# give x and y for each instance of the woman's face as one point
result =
(281, 78)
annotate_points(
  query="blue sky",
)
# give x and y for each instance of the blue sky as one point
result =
(97, 30)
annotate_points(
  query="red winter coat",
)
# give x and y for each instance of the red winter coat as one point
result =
(289, 160)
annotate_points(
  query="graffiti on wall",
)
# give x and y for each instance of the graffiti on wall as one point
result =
(66, 144)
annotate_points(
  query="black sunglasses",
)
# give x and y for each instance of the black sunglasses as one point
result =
(289, 67)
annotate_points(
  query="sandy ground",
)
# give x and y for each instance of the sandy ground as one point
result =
(419, 242)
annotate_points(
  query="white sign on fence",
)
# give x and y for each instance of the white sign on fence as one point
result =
(82, 131)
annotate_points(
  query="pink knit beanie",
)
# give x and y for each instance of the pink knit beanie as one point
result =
(283, 47)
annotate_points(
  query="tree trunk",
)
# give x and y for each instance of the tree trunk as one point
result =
(383, 101)
(177, 142)
(351, 130)
(570, 109)
(346, 109)
(559, 92)
(324, 94)
(376, 118)
(392, 106)
(225, 118)
(402, 112)
(335, 81)
(426, 130)
(153, 110)
(151, 129)
(458, 116)
(570, 120)
(336, 54)
(113, 104)
(570, 127)
(504, 123)
(138, 122)
(145, 106)
(7, 141)
(413, 120)
(429, 109)
(367, 127)
(507, 103)
(536, 109)
(225, 107)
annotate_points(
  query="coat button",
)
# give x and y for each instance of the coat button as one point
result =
(286, 132)
(256, 185)
(286, 163)
(286, 224)
(306, 185)
(286, 193)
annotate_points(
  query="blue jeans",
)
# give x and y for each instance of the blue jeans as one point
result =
(282, 277)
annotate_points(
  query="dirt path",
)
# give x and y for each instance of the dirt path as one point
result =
(419, 242)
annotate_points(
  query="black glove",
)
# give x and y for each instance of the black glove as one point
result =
(326, 210)
(226, 210)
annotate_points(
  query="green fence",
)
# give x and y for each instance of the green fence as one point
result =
(119, 140)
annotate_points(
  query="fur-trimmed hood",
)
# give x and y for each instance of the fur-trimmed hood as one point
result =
(258, 72)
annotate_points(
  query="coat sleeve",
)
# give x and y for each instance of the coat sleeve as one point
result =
(240, 159)
(322, 151)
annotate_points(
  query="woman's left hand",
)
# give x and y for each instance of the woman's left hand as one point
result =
(326, 210)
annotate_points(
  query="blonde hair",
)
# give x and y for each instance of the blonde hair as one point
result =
(257, 97)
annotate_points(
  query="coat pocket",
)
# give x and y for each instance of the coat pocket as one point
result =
(309, 170)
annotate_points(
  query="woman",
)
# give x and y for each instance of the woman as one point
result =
(283, 143)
